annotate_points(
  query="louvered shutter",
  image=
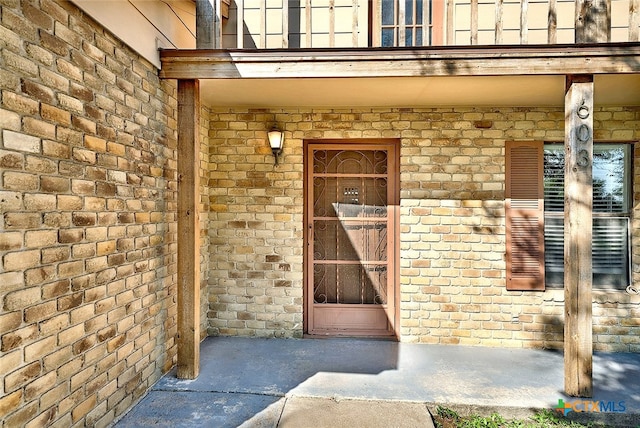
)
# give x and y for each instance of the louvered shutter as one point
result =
(524, 212)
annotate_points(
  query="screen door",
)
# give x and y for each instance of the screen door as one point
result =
(351, 203)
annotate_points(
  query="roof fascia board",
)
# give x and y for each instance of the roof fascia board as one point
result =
(611, 58)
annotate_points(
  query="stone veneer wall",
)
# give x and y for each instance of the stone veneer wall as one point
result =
(87, 219)
(452, 224)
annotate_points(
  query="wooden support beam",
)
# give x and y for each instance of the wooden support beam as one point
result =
(449, 19)
(552, 23)
(474, 22)
(578, 213)
(419, 62)
(634, 20)
(188, 229)
(499, 21)
(524, 22)
(205, 24)
(593, 21)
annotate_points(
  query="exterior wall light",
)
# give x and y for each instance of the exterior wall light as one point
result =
(276, 138)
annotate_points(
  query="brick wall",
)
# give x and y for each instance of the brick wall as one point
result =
(87, 219)
(452, 224)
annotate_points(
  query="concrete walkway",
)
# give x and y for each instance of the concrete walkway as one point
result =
(370, 383)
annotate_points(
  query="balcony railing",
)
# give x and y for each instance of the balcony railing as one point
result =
(266, 24)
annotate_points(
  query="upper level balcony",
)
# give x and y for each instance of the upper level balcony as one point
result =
(286, 24)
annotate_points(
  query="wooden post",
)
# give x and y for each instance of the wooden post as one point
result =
(188, 229)
(205, 24)
(593, 21)
(450, 24)
(499, 21)
(552, 23)
(474, 22)
(524, 22)
(634, 20)
(578, 207)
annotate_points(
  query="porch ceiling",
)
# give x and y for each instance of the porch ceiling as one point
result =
(455, 91)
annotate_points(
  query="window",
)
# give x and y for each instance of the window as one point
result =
(611, 210)
(409, 23)
(534, 209)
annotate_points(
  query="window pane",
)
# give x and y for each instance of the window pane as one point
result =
(388, 12)
(610, 251)
(408, 12)
(611, 190)
(387, 37)
(610, 172)
(408, 37)
(553, 177)
(419, 12)
(609, 184)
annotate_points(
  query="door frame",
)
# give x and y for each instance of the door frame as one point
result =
(394, 210)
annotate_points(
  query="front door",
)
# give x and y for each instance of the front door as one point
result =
(351, 244)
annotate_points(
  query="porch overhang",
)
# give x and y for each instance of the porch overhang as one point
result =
(530, 75)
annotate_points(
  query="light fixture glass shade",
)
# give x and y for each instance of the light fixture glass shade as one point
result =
(275, 139)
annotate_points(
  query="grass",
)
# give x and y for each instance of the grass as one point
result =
(447, 418)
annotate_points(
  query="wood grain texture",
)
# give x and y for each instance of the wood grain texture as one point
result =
(578, 214)
(188, 229)
(381, 62)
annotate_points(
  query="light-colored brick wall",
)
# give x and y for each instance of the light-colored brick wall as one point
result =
(452, 224)
(204, 219)
(87, 220)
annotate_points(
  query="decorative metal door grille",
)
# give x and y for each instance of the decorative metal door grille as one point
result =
(351, 227)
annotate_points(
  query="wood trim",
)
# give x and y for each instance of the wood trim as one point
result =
(188, 337)
(401, 27)
(499, 21)
(285, 26)
(524, 22)
(354, 23)
(578, 214)
(634, 20)
(239, 23)
(613, 58)
(524, 215)
(263, 25)
(473, 24)
(308, 23)
(552, 22)
(332, 23)
(427, 25)
(450, 34)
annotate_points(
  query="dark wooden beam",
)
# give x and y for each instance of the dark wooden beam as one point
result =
(578, 213)
(205, 24)
(188, 229)
(383, 62)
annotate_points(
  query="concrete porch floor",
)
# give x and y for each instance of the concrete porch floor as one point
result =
(370, 383)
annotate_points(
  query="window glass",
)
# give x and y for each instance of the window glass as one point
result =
(388, 12)
(610, 182)
(611, 206)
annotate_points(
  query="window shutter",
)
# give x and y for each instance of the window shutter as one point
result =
(524, 212)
